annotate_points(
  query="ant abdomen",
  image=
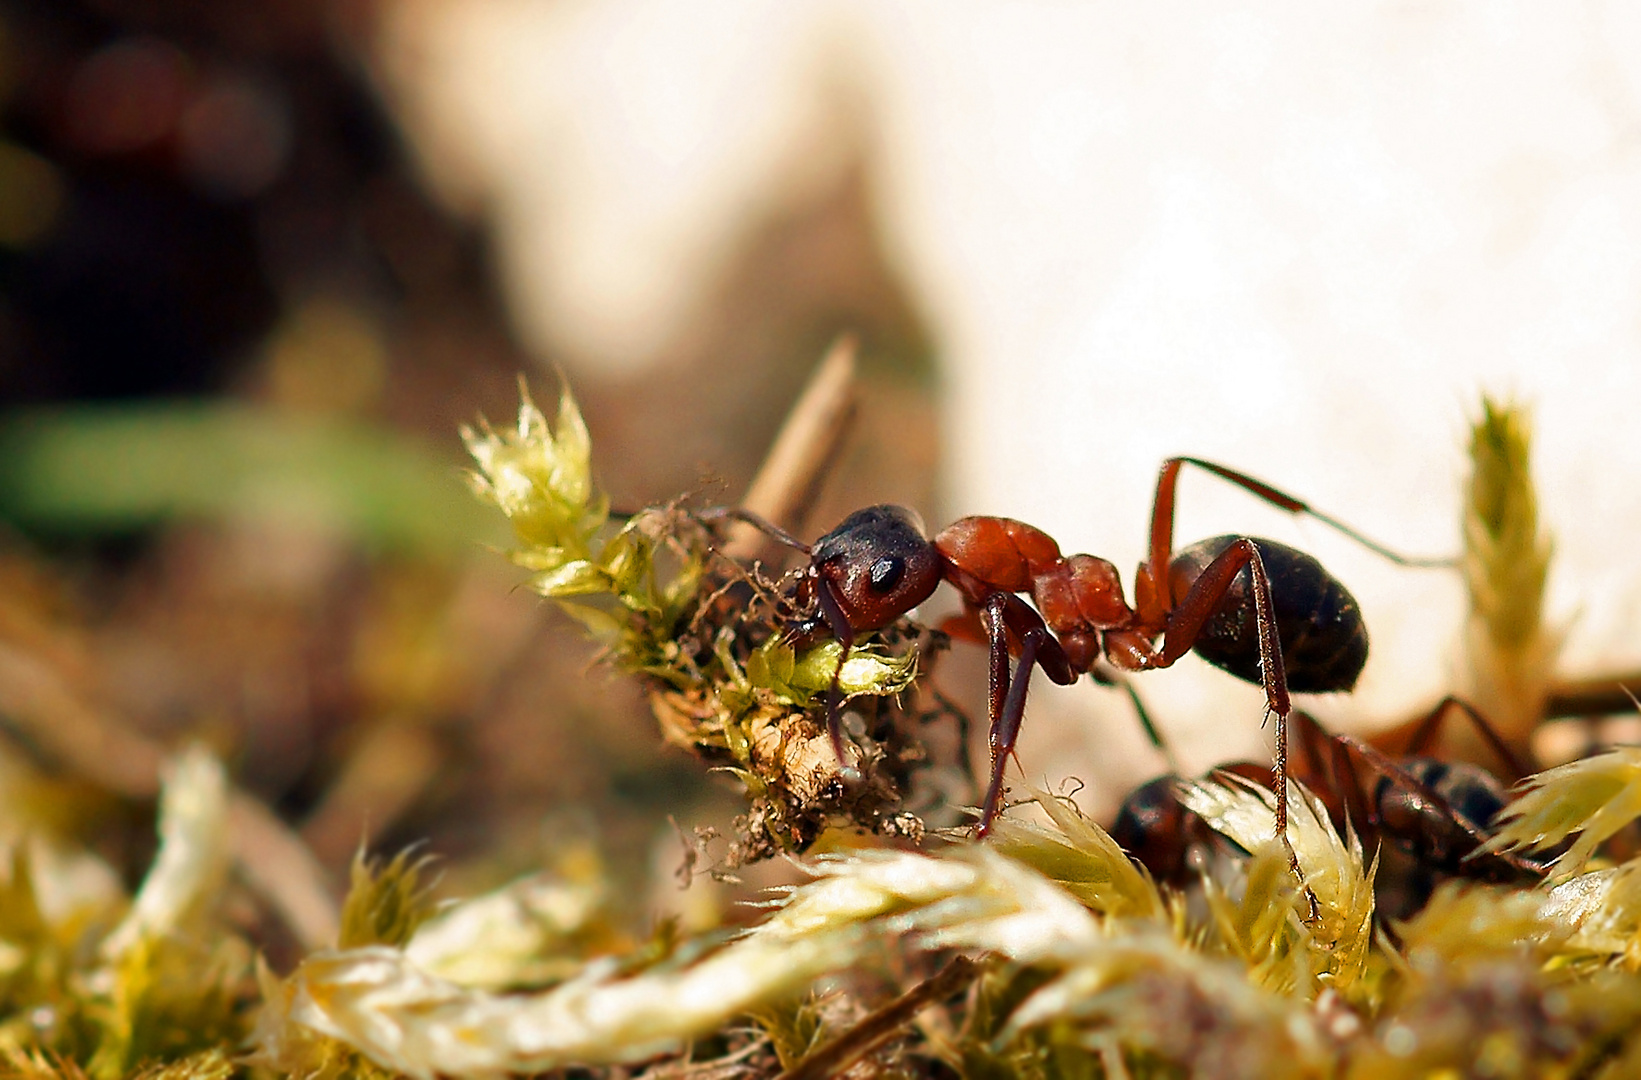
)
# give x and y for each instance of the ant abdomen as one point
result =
(1324, 639)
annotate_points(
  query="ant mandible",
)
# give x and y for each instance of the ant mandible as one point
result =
(1260, 610)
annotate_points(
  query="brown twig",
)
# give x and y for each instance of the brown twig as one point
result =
(281, 869)
(882, 1025)
(803, 452)
(393, 762)
(1606, 695)
(40, 702)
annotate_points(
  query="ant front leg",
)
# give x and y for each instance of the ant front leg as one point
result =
(832, 611)
(1000, 614)
(866, 573)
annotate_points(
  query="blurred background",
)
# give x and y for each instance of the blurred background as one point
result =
(258, 261)
(238, 333)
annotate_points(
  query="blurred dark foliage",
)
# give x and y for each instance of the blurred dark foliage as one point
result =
(180, 173)
(206, 158)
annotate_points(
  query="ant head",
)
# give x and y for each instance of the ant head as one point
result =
(1439, 830)
(877, 564)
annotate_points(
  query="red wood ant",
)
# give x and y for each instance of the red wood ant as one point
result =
(1434, 811)
(1260, 610)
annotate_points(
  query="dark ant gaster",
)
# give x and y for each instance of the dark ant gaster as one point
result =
(1258, 609)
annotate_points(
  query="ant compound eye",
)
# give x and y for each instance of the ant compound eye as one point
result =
(886, 573)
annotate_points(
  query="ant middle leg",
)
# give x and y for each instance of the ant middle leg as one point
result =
(1104, 675)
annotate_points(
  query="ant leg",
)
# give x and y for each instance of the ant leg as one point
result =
(1183, 627)
(839, 623)
(1387, 767)
(997, 660)
(1427, 728)
(1332, 776)
(1008, 696)
(1299, 506)
(1106, 675)
(1430, 804)
(1162, 524)
(1148, 725)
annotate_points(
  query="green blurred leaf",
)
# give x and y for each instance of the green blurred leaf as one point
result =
(98, 469)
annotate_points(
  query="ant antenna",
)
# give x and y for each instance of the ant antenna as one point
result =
(1298, 506)
(763, 525)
